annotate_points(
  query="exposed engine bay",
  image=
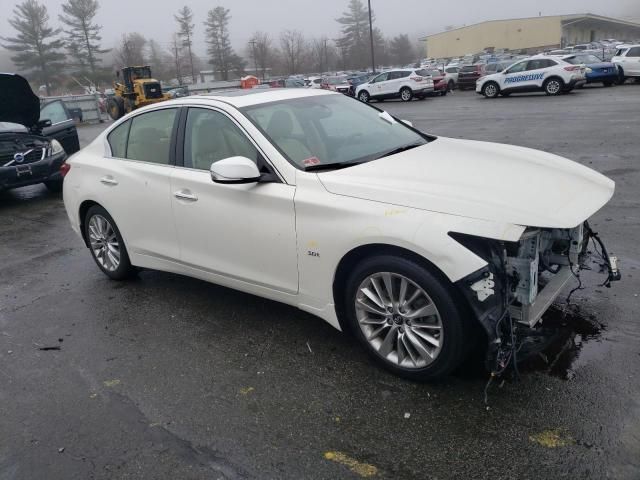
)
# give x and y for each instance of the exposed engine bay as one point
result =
(523, 279)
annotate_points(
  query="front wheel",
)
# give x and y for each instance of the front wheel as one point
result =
(406, 94)
(106, 244)
(490, 90)
(406, 317)
(363, 96)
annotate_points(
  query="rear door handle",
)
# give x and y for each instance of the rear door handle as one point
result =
(185, 195)
(109, 181)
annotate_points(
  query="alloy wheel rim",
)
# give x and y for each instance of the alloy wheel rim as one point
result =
(491, 90)
(553, 87)
(364, 97)
(104, 243)
(399, 320)
(405, 95)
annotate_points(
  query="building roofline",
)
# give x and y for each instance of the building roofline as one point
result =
(573, 16)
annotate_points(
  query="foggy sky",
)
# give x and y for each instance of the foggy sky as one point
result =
(154, 19)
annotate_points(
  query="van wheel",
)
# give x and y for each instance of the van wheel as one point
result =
(553, 86)
(106, 244)
(406, 317)
(406, 94)
(363, 96)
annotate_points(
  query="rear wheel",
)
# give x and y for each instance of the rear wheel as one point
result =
(490, 90)
(607, 84)
(106, 244)
(406, 317)
(406, 94)
(553, 86)
(115, 107)
(363, 96)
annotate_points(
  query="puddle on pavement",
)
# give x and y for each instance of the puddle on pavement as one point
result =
(566, 339)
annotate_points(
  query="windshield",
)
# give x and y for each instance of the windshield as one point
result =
(330, 129)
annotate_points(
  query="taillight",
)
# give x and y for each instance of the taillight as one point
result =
(64, 169)
(572, 68)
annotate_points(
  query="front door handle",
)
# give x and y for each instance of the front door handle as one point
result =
(109, 181)
(185, 195)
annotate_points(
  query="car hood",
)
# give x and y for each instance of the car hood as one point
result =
(19, 103)
(487, 181)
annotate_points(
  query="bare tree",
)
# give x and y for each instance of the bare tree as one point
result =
(131, 50)
(294, 47)
(322, 51)
(176, 57)
(262, 52)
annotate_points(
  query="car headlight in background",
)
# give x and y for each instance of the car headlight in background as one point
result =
(55, 148)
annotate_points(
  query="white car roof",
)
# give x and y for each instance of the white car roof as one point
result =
(245, 98)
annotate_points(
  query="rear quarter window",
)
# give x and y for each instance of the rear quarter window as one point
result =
(634, 52)
(118, 140)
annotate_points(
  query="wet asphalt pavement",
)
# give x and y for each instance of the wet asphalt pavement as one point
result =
(170, 377)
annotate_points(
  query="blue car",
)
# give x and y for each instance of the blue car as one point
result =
(601, 72)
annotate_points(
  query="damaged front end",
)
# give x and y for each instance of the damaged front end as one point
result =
(522, 280)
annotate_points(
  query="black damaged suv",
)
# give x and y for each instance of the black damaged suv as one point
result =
(34, 141)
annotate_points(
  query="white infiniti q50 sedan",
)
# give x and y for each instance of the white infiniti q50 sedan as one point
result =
(413, 243)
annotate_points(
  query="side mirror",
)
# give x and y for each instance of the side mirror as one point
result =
(235, 171)
(407, 122)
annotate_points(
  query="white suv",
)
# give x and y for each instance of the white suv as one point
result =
(627, 59)
(403, 83)
(540, 73)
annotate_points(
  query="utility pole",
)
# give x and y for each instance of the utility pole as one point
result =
(253, 42)
(373, 57)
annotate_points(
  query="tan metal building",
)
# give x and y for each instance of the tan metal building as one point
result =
(530, 34)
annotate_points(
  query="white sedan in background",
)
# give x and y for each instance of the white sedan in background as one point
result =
(311, 198)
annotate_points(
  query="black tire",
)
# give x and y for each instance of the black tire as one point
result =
(115, 107)
(451, 85)
(607, 84)
(553, 86)
(454, 320)
(621, 77)
(444, 92)
(406, 94)
(363, 96)
(124, 269)
(54, 186)
(491, 89)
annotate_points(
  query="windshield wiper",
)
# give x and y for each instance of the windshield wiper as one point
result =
(401, 149)
(330, 166)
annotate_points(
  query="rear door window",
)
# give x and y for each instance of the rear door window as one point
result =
(150, 136)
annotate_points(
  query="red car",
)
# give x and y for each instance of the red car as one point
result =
(440, 84)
